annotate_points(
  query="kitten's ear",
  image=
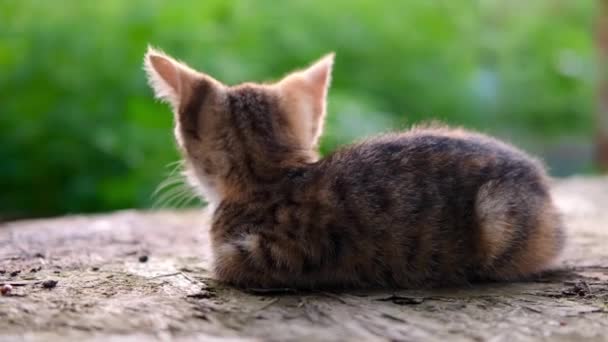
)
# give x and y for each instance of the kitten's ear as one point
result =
(169, 79)
(304, 94)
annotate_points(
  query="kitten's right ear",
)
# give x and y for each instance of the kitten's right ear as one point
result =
(170, 79)
(305, 94)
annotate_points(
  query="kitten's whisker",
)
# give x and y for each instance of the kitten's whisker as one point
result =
(186, 200)
(180, 201)
(174, 163)
(179, 165)
(169, 193)
(171, 181)
(175, 195)
(175, 198)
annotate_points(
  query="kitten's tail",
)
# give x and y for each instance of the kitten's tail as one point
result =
(520, 231)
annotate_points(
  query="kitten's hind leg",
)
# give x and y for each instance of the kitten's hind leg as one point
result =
(520, 231)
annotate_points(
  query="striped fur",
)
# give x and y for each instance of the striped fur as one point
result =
(431, 206)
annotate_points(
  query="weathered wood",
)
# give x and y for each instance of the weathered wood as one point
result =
(106, 291)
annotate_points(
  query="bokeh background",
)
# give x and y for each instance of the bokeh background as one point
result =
(80, 131)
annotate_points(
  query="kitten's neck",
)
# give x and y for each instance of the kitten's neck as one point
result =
(249, 178)
(249, 189)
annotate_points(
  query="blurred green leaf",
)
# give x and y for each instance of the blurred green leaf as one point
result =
(81, 132)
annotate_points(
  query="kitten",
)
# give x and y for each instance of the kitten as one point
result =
(431, 206)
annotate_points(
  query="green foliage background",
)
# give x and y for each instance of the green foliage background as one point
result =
(80, 132)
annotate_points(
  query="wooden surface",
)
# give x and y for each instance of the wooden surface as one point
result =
(107, 290)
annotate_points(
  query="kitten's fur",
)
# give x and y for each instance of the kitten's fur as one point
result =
(432, 206)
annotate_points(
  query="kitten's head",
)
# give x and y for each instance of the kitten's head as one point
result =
(236, 137)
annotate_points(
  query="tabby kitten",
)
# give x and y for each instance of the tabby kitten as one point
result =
(431, 206)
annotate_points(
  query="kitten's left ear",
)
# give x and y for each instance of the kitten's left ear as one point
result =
(304, 94)
(171, 80)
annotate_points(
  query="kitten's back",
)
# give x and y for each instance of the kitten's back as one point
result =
(426, 207)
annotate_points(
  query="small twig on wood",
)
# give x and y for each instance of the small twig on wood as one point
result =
(582, 313)
(202, 294)
(531, 309)
(267, 305)
(393, 318)
(174, 274)
(166, 275)
(21, 283)
(189, 278)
